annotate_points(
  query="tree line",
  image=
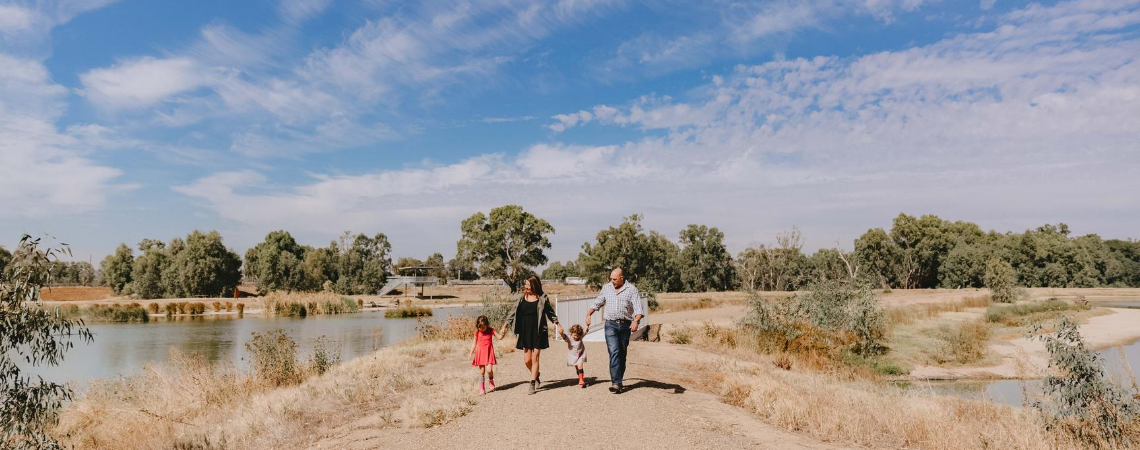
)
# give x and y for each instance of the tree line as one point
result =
(508, 243)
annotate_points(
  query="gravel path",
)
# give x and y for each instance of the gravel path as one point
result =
(659, 409)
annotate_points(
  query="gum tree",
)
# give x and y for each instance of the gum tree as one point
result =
(506, 244)
(31, 336)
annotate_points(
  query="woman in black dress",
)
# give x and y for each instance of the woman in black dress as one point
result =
(528, 318)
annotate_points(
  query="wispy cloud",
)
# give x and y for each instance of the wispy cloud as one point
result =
(1024, 115)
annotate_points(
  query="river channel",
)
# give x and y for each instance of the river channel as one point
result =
(123, 348)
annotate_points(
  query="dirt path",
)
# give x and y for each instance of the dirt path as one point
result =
(660, 409)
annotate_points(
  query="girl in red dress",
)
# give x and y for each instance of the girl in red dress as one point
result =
(483, 352)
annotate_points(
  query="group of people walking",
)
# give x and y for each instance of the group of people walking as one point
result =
(528, 320)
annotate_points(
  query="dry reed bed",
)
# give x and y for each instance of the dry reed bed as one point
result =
(280, 303)
(189, 403)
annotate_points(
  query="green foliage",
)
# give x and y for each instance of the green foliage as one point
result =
(5, 258)
(149, 268)
(1002, 281)
(560, 271)
(324, 356)
(72, 273)
(649, 261)
(34, 337)
(206, 266)
(778, 267)
(273, 355)
(705, 263)
(115, 270)
(1083, 401)
(965, 266)
(277, 263)
(506, 243)
(462, 267)
(361, 263)
(830, 315)
(438, 267)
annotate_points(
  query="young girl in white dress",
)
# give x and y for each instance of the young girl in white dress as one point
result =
(576, 351)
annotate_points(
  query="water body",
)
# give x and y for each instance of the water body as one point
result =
(1024, 392)
(123, 348)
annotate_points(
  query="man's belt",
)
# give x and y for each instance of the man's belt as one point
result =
(619, 320)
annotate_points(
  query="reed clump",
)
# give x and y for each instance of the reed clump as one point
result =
(130, 313)
(1028, 313)
(301, 304)
(408, 311)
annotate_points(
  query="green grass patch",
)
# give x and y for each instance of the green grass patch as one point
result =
(1022, 314)
(881, 364)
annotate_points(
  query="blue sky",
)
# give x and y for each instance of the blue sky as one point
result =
(123, 120)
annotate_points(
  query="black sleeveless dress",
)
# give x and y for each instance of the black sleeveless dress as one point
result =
(528, 329)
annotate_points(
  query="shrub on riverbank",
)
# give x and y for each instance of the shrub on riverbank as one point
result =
(408, 311)
(298, 304)
(833, 315)
(964, 342)
(133, 312)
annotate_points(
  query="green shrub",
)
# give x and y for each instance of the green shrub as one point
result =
(273, 356)
(496, 306)
(129, 313)
(1083, 401)
(323, 358)
(1001, 279)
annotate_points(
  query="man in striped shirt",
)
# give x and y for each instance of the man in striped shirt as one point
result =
(623, 312)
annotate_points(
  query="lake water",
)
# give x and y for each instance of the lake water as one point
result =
(1022, 392)
(123, 348)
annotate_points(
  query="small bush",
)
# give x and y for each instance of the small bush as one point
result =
(681, 335)
(461, 328)
(171, 309)
(496, 306)
(833, 315)
(1001, 279)
(323, 358)
(241, 308)
(229, 306)
(964, 343)
(273, 356)
(196, 308)
(153, 308)
(217, 306)
(360, 303)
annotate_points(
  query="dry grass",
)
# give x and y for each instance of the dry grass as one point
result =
(75, 293)
(408, 311)
(189, 402)
(279, 303)
(909, 314)
(873, 415)
(965, 342)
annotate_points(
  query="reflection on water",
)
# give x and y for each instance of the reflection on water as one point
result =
(1133, 304)
(122, 349)
(1025, 392)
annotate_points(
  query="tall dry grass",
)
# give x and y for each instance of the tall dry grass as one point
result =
(301, 304)
(190, 403)
(906, 315)
(874, 415)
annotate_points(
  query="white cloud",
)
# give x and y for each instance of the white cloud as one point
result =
(1029, 122)
(44, 172)
(294, 10)
(14, 19)
(143, 82)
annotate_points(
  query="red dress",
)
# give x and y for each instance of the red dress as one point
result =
(484, 351)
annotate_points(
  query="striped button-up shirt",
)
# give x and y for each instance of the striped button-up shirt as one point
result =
(623, 303)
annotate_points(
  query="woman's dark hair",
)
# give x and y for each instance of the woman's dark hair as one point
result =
(481, 323)
(535, 285)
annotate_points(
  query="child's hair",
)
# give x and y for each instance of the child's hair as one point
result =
(482, 323)
(576, 329)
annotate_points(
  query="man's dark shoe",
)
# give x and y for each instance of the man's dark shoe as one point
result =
(617, 390)
(614, 388)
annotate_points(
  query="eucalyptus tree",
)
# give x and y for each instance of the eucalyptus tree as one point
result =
(506, 243)
(31, 335)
